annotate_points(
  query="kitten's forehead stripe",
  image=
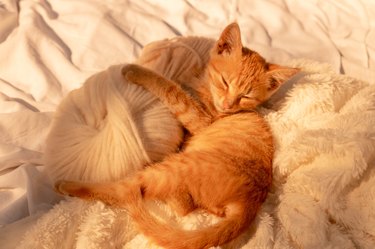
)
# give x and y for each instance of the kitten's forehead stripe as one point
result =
(252, 67)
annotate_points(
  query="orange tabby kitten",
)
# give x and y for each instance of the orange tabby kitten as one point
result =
(225, 167)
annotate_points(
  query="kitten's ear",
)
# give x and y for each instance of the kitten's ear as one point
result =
(229, 41)
(278, 76)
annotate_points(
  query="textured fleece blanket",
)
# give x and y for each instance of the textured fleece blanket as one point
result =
(324, 177)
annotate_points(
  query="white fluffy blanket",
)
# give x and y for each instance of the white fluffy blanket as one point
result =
(49, 47)
(324, 178)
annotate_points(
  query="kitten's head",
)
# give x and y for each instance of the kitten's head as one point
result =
(240, 79)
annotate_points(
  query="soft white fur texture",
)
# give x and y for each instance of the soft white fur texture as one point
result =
(324, 177)
(107, 129)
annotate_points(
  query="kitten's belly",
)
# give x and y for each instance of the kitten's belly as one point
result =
(238, 132)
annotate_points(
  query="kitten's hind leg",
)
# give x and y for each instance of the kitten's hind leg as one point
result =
(187, 110)
(165, 181)
(116, 193)
(71, 188)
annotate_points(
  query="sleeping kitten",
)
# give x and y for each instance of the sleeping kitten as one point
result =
(226, 166)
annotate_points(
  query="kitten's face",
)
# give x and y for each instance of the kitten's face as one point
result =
(240, 79)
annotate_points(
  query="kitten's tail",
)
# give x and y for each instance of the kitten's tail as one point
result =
(127, 194)
(238, 217)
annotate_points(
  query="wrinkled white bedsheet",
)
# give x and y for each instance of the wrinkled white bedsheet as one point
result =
(48, 48)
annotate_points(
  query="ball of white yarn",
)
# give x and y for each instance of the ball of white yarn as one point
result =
(107, 129)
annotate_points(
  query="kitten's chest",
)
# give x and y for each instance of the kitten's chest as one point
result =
(227, 135)
(198, 89)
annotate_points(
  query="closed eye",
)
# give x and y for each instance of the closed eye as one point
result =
(247, 96)
(225, 82)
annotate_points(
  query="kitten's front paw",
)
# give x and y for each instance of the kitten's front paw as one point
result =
(130, 77)
(129, 72)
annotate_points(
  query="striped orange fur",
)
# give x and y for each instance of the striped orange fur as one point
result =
(225, 167)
